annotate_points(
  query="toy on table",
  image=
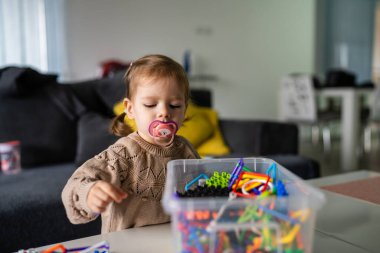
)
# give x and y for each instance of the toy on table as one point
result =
(265, 225)
(214, 186)
(101, 247)
(242, 182)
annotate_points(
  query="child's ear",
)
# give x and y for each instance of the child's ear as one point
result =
(128, 108)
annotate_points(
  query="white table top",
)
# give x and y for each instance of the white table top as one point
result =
(348, 219)
(157, 238)
(344, 224)
(343, 178)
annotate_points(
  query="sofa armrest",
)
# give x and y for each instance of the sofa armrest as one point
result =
(253, 137)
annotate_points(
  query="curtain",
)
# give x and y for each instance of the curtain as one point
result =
(32, 34)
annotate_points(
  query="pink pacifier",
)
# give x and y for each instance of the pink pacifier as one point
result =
(163, 132)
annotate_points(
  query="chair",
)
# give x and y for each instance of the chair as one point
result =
(298, 104)
(372, 122)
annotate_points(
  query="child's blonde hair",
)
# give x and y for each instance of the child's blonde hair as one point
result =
(149, 67)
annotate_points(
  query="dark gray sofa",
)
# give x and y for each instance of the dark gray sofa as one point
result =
(62, 125)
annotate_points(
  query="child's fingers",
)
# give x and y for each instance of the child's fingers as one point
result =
(97, 205)
(103, 196)
(117, 194)
(114, 192)
(97, 200)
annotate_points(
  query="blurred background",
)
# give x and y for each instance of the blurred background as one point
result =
(238, 49)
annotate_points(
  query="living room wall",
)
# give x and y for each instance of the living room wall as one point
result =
(247, 45)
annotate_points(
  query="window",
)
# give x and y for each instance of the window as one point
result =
(32, 34)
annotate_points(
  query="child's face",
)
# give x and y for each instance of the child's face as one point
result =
(162, 100)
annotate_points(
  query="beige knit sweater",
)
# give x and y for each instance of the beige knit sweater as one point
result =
(137, 167)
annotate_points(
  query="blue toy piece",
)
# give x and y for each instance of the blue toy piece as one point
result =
(280, 187)
(195, 180)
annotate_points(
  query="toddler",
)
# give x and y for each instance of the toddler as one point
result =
(125, 182)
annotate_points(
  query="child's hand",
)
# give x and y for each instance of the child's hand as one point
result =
(101, 194)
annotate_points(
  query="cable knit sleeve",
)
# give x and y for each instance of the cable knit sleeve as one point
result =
(74, 194)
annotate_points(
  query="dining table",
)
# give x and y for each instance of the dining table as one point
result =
(350, 121)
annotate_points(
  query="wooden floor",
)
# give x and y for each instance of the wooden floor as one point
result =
(330, 161)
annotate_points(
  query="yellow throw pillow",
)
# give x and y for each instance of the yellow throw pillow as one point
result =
(214, 146)
(196, 129)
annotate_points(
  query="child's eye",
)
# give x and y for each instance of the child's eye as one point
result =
(175, 106)
(149, 105)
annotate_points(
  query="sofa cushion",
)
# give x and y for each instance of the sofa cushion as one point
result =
(42, 141)
(16, 81)
(100, 95)
(255, 137)
(46, 133)
(304, 167)
(41, 114)
(31, 210)
(201, 97)
(93, 136)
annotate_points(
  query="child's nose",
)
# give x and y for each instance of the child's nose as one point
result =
(164, 112)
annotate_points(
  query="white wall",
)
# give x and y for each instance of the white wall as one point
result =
(247, 44)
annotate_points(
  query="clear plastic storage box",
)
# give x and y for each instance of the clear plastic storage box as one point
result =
(236, 223)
